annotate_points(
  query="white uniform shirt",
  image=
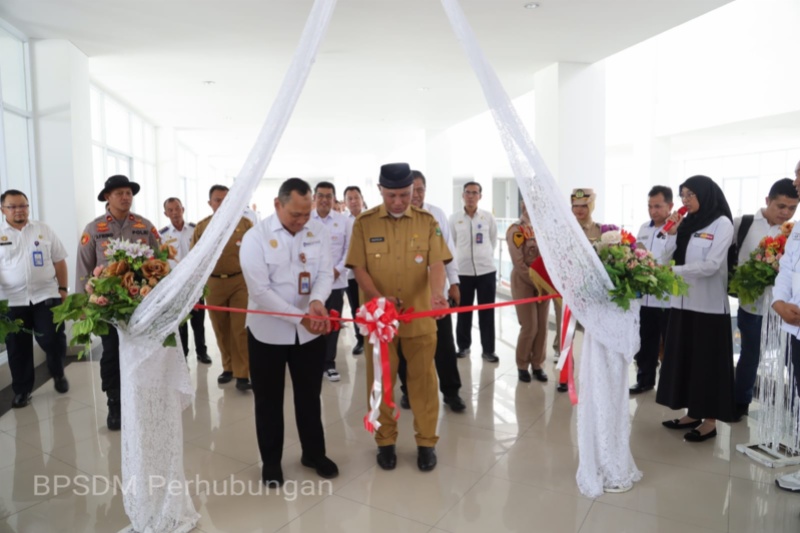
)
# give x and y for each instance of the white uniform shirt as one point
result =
(475, 240)
(351, 219)
(180, 240)
(705, 269)
(337, 226)
(271, 263)
(27, 257)
(451, 268)
(758, 230)
(787, 284)
(649, 236)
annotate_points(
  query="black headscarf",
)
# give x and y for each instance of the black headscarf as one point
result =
(712, 206)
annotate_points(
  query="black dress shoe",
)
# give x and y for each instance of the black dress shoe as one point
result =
(225, 377)
(204, 358)
(562, 387)
(61, 384)
(524, 375)
(695, 436)
(426, 458)
(540, 375)
(404, 403)
(638, 389)
(358, 349)
(272, 476)
(387, 458)
(455, 402)
(676, 424)
(462, 353)
(243, 384)
(325, 468)
(21, 400)
(490, 357)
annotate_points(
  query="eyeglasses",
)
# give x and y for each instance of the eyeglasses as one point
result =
(688, 196)
(472, 193)
(16, 207)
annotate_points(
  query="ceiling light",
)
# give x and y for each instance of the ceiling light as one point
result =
(531, 5)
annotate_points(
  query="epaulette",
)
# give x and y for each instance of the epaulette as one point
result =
(192, 225)
(164, 229)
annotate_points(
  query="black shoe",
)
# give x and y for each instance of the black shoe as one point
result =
(676, 424)
(272, 476)
(387, 458)
(203, 358)
(524, 375)
(490, 357)
(325, 468)
(404, 403)
(741, 411)
(696, 436)
(540, 375)
(358, 349)
(225, 377)
(426, 458)
(638, 389)
(455, 402)
(462, 353)
(243, 384)
(114, 419)
(61, 384)
(21, 400)
(562, 387)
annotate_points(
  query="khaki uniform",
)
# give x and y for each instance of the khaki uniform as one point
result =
(396, 253)
(227, 289)
(532, 317)
(91, 251)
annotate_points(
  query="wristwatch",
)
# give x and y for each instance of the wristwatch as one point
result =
(63, 289)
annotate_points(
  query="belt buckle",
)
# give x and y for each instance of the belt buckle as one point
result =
(223, 276)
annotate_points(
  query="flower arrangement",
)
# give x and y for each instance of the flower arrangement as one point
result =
(7, 325)
(633, 269)
(751, 278)
(113, 292)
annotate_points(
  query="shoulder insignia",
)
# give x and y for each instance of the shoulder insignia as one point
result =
(192, 225)
(164, 229)
(131, 217)
(84, 239)
(519, 238)
(109, 218)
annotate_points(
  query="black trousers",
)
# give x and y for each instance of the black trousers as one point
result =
(197, 320)
(445, 359)
(268, 374)
(795, 349)
(37, 318)
(652, 330)
(334, 301)
(352, 297)
(486, 288)
(109, 362)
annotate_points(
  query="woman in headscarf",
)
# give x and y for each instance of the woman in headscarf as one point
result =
(697, 371)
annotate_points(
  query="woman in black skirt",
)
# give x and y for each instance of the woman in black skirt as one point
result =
(697, 371)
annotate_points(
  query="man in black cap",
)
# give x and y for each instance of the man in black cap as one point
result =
(397, 251)
(117, 223)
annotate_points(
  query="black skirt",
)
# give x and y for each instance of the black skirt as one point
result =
(697, 371)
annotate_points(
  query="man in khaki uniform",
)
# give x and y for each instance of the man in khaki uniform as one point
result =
(397, 251)
(228, 289)
(118, 222)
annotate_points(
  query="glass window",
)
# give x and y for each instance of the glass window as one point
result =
(17, 158)
(117, 124)
(149, 143)
(137, 137)
(12, 61)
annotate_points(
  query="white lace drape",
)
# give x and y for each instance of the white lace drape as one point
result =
(151, 416)
(581, 279)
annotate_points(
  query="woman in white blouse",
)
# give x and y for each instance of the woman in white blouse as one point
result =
(697, 372)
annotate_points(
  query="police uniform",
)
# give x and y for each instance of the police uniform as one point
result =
(227, 288)
(28, 282)
(181, 241)
(532, 317)
(396, 253)
(91, 254)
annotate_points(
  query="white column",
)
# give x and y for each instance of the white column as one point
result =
(570, 126)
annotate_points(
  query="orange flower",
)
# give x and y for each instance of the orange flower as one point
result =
(127, 281)
(144, 291)
(117, 268)
(155, 268)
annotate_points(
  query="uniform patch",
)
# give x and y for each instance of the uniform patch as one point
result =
(131, 217)
(85, 239)
(519, 239)
(154, 231)
(706, 236)
(438, 231)
(102, 226)
(376, 239)
(273, 243)
(139, 225)
(3, 238)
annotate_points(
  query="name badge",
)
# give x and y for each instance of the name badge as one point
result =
(479, 238)
(304, 283)
(38, 258)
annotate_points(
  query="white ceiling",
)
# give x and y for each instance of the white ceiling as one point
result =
(156, 54)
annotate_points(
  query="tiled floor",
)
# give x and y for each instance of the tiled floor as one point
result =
(506, 464)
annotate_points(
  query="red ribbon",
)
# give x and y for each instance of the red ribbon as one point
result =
(568, 371)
